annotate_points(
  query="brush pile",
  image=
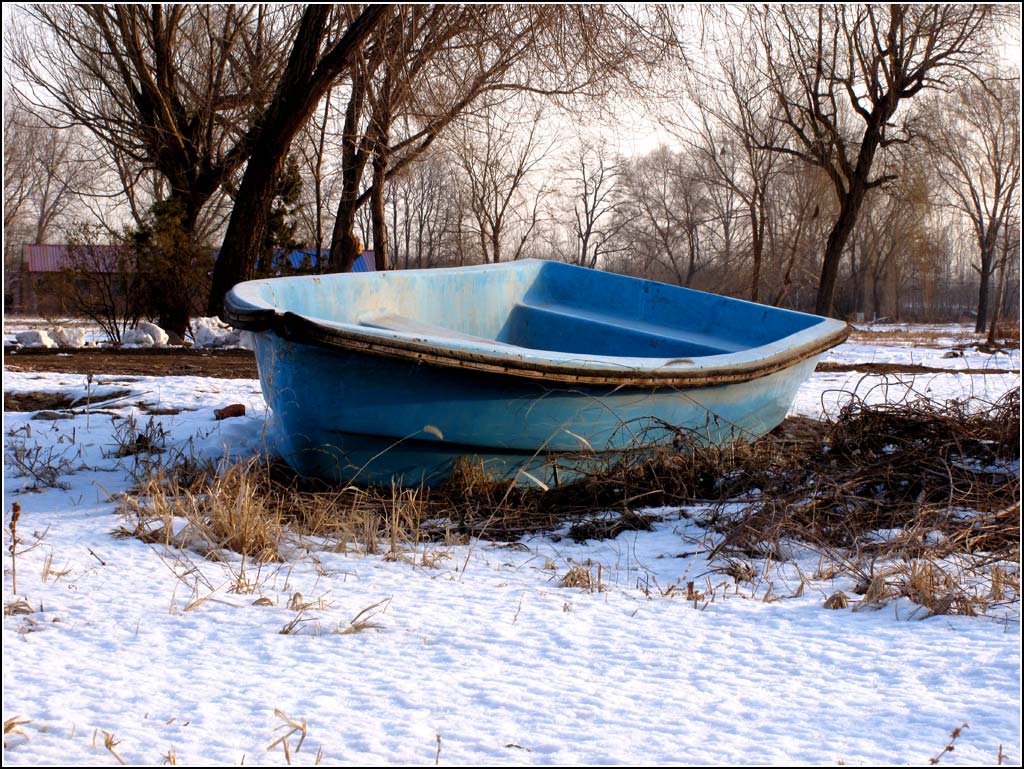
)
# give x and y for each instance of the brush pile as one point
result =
(938, 478)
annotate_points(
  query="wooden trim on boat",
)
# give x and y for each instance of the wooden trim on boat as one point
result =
(300, 329)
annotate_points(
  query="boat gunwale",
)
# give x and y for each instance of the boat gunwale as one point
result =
(298, 328)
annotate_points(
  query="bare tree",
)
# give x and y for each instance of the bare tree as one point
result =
(797, 223)
(179, 89)
(596, 202)
(44, 172)
(890, 245)
(19, 177)
(441, 62)
(312, 148)
(503, 201)
(102, 282)
(1010, 253)
(840, 74)
(737, 122)
(974, 137)
(422, 212)
(175, 88)
(384, 82)
(665, 209)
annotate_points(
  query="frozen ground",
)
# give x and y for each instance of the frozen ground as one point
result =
(480, 658)
(945, 347)
(825, 392)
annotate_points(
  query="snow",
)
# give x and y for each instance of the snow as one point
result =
(932, 355)
(826, 392)
(145, 334)
(75, 333)
(93, 335)
(213, 332)
(479, 659)
(69, 337)
(35, 339)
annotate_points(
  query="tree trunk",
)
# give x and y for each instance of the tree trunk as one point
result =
(175, 319)
(175, 304)
(382, 137)
(850, 203)
(848, 210)
(987, 247)
(757, 250)
(691, 267)
(1001, 294)
(344, 248)
(496, 243)
(381, 256)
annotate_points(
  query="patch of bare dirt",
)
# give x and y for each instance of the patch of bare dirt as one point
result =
(48, 403)
(36, 401)
(160, 361)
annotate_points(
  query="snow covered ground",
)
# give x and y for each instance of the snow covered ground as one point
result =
(480, 658)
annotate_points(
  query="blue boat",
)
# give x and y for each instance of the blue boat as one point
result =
(517, 369)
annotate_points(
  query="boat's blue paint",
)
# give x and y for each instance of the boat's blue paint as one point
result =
(503, 345)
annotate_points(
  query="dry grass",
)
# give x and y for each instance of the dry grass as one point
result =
(18, 607)
(12, 527)
(42, 463)
(918, 500)
(365, 619)
(259, 509)
(838, 600)
(930, 490)
(953, 736)
(12, 728)
(939, 476)
(291, 728)
(110, 743)
(580, 576)
(213, 511)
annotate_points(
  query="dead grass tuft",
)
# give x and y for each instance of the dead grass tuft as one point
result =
(18, 607)
(256, 508)
(291, 727)
(13, 725)
(610, 525)
(366, 619)
(918, 499)
(580, 576)
(837, 600)
(953, 736)
(110, 743)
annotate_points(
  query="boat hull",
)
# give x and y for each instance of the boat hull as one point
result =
(353, 416)
(516, 368)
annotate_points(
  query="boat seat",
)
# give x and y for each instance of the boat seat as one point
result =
(604, 328)
(414, 327)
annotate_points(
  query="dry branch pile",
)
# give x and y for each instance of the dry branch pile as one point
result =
(948, 472)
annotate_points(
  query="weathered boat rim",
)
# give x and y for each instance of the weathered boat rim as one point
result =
(244, 310)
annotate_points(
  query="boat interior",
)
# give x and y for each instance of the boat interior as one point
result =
(538, 305)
